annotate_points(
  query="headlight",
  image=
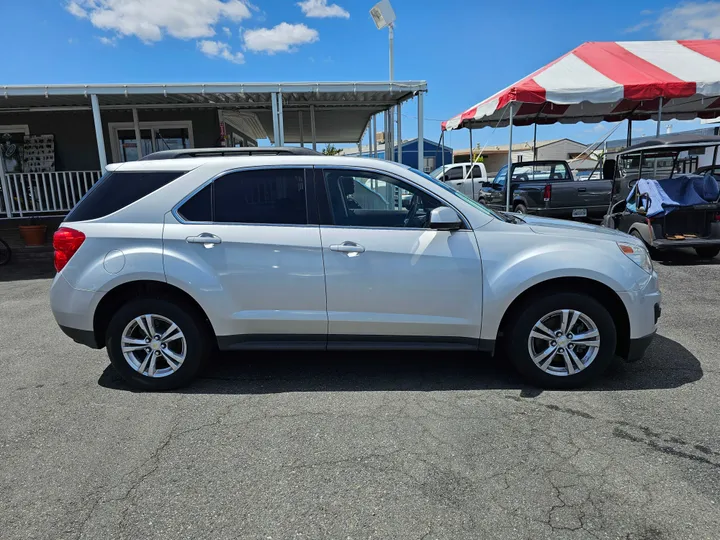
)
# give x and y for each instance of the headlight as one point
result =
(637, 254)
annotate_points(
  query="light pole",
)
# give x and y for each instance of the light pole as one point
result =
(384, 16)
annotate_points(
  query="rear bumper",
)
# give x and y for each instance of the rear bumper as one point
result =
(638, 346)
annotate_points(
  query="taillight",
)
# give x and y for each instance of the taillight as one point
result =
(547, 193)
(717, 216)
(66, 242)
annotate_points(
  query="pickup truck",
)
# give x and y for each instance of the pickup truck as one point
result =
(547, 188)
(461, 177)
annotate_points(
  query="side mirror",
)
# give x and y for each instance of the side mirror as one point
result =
(486, 184)
(496, 186)
(444, 218)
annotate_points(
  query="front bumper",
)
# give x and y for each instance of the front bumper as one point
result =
(638, 346)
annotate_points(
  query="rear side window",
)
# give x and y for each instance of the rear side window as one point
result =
(199, 206)
(274, 196)
(117, 190)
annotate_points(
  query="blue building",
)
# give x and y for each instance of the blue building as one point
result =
(433, 157)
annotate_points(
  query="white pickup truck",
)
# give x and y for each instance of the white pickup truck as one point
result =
(459, 176)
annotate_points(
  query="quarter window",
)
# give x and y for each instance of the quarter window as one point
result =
(274, 196)
(199, 206)
(368, 199)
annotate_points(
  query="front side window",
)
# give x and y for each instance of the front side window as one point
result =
(369, 199)
(271, 196)
(501, 176)
(456, 173)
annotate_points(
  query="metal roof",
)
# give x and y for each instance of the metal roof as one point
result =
(342, 109)
(678, 141)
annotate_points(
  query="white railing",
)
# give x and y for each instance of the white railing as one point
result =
(44, 192)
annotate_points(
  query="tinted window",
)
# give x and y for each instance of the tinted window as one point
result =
(261, 196)
(455, 173)
(117, 190)
(501, 176)
(199, 206)
(541, 172)
(367, 199)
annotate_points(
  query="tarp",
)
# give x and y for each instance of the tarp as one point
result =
(610, 81)
(663, 196)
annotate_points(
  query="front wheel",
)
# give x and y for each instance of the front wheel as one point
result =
(707, 252)
(157, 344)
(561, 340)
(520, 209)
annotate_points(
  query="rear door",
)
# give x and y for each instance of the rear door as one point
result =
(389, 277)
(251, 253)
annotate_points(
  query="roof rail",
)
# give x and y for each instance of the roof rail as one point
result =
(231, 152)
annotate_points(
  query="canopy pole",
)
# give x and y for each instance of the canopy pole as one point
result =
(472, 165)
(657, 131)
(421, 134)
(313, 134)
(628, 142)
(535, 142)
(99, 138)
(374, 136)
(442, 152)
(508, 180)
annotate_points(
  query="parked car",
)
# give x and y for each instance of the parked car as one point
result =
(547, 188)
(466, 179)
(164, 260)
(663, 208)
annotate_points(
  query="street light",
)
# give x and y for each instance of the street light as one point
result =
(383, 16)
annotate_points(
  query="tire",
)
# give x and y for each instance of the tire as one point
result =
(651, 250)
(520, 208)
(708, 252)
(557, 374)
(5, 252)
(195, 344)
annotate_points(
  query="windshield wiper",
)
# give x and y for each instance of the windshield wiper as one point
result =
(511, 219)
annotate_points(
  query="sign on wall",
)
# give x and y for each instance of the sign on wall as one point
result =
(39, 153)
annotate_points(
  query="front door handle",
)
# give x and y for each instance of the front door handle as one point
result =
(206, 239)
(348, 247)
(582, 189)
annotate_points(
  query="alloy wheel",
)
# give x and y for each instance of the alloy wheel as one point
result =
(153, 345)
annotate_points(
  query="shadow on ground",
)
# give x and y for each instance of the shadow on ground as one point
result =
(682, 257)
(667, 364)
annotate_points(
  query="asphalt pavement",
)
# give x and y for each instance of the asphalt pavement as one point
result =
(361, 445)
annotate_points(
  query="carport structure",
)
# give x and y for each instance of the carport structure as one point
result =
(611, 82)
(94, 124)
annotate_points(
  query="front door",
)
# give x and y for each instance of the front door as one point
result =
(253, 257)
(389, 277)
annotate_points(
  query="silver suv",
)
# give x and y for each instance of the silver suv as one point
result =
(166, 259)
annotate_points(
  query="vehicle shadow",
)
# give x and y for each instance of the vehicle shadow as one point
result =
(666, 365)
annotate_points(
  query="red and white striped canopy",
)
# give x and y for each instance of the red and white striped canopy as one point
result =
(610, 82)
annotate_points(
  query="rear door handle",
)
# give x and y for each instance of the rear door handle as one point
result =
(207, 239)
(347, 247)
(582, 189)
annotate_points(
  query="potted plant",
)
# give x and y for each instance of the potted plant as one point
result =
(33, 233)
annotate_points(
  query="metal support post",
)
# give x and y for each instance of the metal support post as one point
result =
(399, 133)
(421, 134)
(374, 136)
(313, 135)
(138, 138)
(5, 186)
(99, 138)
(659, 120)
(302, 129)
(472, 163)
(508, 180)
(281, 119)
(273, 103)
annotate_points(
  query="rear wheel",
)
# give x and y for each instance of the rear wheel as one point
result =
(520, 209)
(157, 344)
(707, 252)
(561, 340)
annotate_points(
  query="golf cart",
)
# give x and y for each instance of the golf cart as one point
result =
(657, 197)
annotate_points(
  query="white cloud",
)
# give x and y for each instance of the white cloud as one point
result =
(321, 9)
(151, 21)
(690, 20)
(220, 49)
(75, 9)
(227, 31)
(282, 38)
(109, 41)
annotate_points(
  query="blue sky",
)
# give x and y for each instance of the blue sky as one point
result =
(465, 49)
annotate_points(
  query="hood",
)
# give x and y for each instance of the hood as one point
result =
(575, 229)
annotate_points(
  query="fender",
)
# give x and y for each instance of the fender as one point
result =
(507, 277)
(643, 230)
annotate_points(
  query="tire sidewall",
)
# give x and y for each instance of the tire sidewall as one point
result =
(196, 339)
(534, 310)
(520, 209)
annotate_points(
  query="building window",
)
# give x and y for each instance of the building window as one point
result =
(154, 137)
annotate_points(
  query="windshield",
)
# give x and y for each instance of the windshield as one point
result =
(484, 209)
(437, 172)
